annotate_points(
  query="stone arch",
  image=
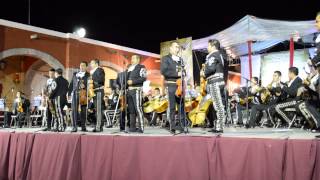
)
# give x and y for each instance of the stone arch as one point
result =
(43, 58)
(112, 66)
(52, 61)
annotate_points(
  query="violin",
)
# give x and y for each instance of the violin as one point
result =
(203, 85)
(82, 94)
(179, 90)
(91, 92)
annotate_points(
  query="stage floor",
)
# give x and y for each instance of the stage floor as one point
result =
(258, 132)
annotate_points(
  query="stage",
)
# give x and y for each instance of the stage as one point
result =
(237, 154)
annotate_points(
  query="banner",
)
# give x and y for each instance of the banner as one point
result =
(256, 63)
(280, 62)
(186, 55)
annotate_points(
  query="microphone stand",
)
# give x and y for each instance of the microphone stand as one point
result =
(123, 92)
(182, 102)
(247, 97)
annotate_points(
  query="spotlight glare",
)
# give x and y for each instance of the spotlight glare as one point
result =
(81, 32)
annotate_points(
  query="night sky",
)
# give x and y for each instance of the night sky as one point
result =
(144, 25)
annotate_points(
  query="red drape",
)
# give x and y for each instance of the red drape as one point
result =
(63, 156)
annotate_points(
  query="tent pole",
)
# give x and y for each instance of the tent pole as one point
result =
(291, 52)
(250, 58)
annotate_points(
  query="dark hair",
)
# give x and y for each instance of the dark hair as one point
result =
(277, 72)
(84, 62)
(157, 89)
(215, 43)
(96, 61)
(256, 79)
(52, 70)
(294, 70)
(59, 71)
(263, 90)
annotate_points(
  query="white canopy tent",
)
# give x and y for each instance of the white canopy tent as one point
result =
(264, 33)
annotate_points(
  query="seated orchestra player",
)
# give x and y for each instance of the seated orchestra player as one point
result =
(20, 108)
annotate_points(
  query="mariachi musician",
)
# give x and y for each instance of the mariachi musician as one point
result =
(214, 74)
(78, 92)
(270, 96)
(59, 94)
(171, 70)
(121, 84)
(289, 92)
(20, 108)
(136, 74)
(96, 92)
(157, 97)
(51, 113)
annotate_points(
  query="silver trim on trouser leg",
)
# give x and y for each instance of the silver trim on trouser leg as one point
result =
(285, 105)
(218, 105)
(153, 114)
(56, 119)
(107, 117)
(99, 110)
(168, 109)
(237, 116)
(44, 118)
(61, 119)
(139, 108)
(306, 113)
(74, 106)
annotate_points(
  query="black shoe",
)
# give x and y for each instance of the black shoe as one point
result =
(55, 130)
(95, 130)
(74, 130)
(139, 131)
(269, 125)
(46, 129)
(247, 126)
(84, 130)
(109, 126)
(210, 126)
(317, 136)
(132, 130)
(215, 131)
(172, 131)
(180, 129)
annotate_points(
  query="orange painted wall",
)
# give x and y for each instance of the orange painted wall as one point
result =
(70, 52)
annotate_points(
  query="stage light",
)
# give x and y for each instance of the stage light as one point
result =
(81, 32)
(34, 36)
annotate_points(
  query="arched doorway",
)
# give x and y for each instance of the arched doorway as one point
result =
(25, 70)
